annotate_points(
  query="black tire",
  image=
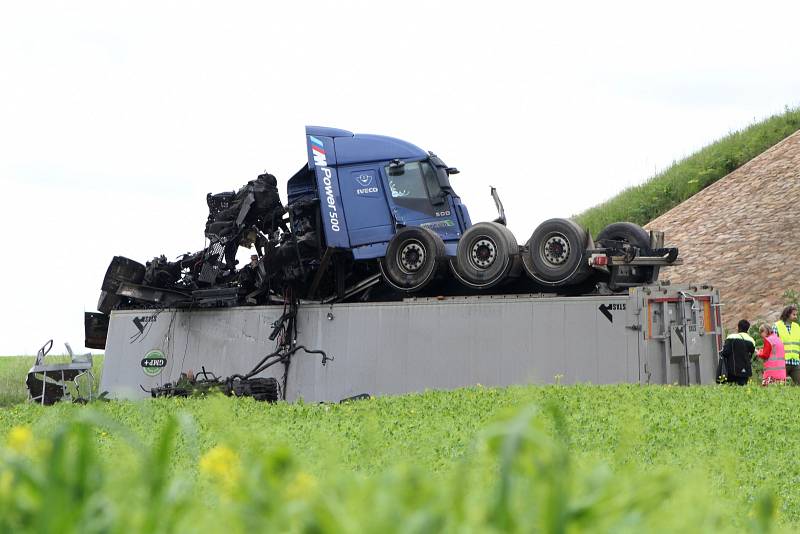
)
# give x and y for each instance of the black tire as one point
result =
(556, 253)
(632, 234)
(413, 258)
(485, 255)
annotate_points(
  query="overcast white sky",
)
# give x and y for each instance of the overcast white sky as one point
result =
(116, 118)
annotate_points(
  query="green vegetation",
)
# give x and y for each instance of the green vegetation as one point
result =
(643, 203)
(556, 459)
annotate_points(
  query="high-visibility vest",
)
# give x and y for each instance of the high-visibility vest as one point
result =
(775, 361)
(791, 340)
(743, 336)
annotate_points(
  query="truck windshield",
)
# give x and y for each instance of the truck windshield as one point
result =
(415, 180)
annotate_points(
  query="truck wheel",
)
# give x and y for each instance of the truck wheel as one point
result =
(412, 259)
(632, 234)
(485, 255)
(556, 253)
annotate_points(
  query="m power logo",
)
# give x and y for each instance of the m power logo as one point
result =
(318, 151)
(321, 162)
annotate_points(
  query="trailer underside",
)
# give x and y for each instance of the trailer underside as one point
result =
(654, 334)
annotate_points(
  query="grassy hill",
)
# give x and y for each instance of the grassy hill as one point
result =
(643, 203)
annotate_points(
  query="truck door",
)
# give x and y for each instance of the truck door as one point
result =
(364, 199)
(416, 199)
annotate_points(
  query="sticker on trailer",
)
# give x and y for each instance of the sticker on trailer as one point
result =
(606, 310)
(153, 362)
(143, 324)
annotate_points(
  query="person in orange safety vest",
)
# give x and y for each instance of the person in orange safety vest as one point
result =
(773, 355)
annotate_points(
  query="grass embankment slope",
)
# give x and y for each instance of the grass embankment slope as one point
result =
(643, 203)
(554, 459)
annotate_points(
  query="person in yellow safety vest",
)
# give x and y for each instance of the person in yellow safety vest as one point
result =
(789, 332)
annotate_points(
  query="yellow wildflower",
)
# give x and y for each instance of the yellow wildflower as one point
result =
(20, 439)
(302, 485)
(222, 465)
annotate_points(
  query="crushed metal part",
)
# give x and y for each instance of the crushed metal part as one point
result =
(260, 389)
(49, 383)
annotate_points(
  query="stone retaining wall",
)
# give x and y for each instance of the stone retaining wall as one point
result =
(741, 234)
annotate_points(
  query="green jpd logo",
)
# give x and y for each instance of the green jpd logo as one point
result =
(153, 362)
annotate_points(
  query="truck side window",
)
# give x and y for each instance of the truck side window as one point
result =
(409, 183)
(417, 180)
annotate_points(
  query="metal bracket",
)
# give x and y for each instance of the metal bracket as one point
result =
(501, 219)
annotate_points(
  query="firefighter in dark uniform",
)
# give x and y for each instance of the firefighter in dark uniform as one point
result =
(738, 354)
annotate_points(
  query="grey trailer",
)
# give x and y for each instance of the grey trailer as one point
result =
(656, 334)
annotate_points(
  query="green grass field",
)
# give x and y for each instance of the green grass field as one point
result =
(543, 458)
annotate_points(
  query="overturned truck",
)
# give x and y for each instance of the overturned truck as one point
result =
(373, 218)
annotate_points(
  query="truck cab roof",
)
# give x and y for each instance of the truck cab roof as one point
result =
(353, 148)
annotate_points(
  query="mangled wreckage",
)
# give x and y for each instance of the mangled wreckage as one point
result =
(250, 217)
(371, 218)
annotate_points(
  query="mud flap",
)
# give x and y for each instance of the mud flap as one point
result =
(95, 326)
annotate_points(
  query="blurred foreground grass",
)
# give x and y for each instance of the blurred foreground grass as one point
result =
(622, 458)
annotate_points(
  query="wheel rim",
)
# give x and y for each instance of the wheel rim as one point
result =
(555, 249)
(483, 253)
(411, 256)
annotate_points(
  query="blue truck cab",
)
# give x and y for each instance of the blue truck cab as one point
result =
(384, 209)
(369, 186)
